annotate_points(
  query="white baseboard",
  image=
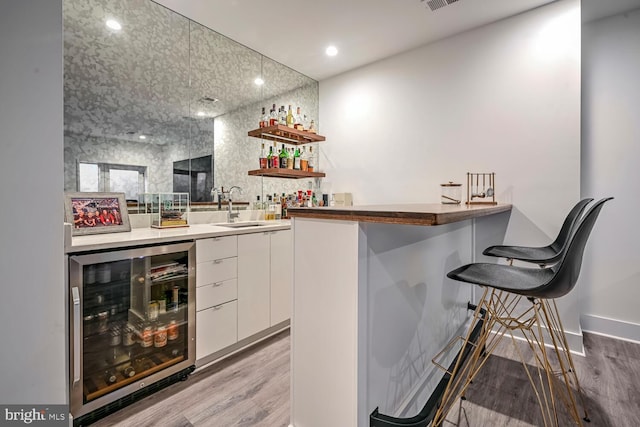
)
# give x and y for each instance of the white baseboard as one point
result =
(613, 328)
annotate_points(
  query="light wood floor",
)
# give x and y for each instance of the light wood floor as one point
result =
(252, 389)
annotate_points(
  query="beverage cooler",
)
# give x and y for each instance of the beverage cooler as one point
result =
(132, 321)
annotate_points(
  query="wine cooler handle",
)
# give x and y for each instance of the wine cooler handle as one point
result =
(76, 334)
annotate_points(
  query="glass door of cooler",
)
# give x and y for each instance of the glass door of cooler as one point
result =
(132, 321)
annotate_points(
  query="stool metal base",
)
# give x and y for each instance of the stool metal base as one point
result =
(554, 373)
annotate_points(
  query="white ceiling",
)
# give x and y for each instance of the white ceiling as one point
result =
(296, 32)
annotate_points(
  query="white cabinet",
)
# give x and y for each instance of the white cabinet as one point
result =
(264, 280)
(216, 294)
(281, 275)
(254, 294)
(216, 328)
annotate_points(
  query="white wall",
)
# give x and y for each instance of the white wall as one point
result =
(502, 98)
(611, 149)
(32, 360)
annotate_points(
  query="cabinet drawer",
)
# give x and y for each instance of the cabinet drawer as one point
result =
(216, 328)
(216, 248)
(216, 293)
(215, 271)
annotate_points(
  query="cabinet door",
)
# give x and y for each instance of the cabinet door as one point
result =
(216, 328)
(253, 284)
(281, 275)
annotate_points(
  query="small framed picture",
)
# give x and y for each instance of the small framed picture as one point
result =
(96, 213)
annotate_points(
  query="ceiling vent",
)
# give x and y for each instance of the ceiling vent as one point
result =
(209, 99)
(438, 4)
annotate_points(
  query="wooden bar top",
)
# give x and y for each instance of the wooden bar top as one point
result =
(408, 214)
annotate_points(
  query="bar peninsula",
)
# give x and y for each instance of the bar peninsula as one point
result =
(372, 305)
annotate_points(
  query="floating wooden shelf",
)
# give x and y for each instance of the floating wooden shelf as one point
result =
(286, 135)
(286, 173)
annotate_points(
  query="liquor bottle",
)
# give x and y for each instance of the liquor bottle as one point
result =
(278, 207)
(110, 376)
(263, 118)
(310, 161)
(304, 161)
(312, 127)
(298, 120)
(282, 118)
(296, 159)
(273, 117)
(275, 160)
(270, 158)
(283, 158)
(257, 205)
(263, 159)
(290, 158)
(283, 202)
(290, 119)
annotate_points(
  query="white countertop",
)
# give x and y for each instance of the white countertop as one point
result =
(149, 236)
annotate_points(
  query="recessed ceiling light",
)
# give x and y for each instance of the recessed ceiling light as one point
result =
(200, 113)
(143, 137)
(331, 51)
(114, 25)
(259, 81)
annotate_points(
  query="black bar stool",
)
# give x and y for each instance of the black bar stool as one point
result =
(517, 299)
(545, 255)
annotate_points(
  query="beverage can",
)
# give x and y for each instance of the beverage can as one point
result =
(146, 340)
(154, 309)
(172, 331)
(128, 336)
(160, 339)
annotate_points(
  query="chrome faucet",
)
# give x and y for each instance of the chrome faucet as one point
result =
(222, 195)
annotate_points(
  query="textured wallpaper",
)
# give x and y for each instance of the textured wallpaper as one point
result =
(188, 89)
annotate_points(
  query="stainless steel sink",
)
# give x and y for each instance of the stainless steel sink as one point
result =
(239, 224)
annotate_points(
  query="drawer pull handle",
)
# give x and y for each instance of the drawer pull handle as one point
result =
(218, 307)
(215, 285)
(218, 261)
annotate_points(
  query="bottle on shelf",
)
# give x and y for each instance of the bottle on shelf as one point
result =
(290, 158)
(290, 119)
(298, 120)
(283, 157)
(275, 159)
(270, 157)
(282, 117)
(128, 371)
(310, 162)
(273, 117)
(297, 159)
(263, 119)
(312, 127)
(304, 161)
(263, 158)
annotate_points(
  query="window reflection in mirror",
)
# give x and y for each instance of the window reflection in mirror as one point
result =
(105, 177)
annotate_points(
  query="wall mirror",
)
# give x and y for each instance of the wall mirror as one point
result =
(155, 102)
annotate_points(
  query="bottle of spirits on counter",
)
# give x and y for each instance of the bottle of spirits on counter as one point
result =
(263, 118)
(263, 158)
(273, 117)
(278, 207)
(297, 159)
(269, 215)
(298, 121)
(310, 162)
(283, 202)
(290, 119)
(257, 205)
